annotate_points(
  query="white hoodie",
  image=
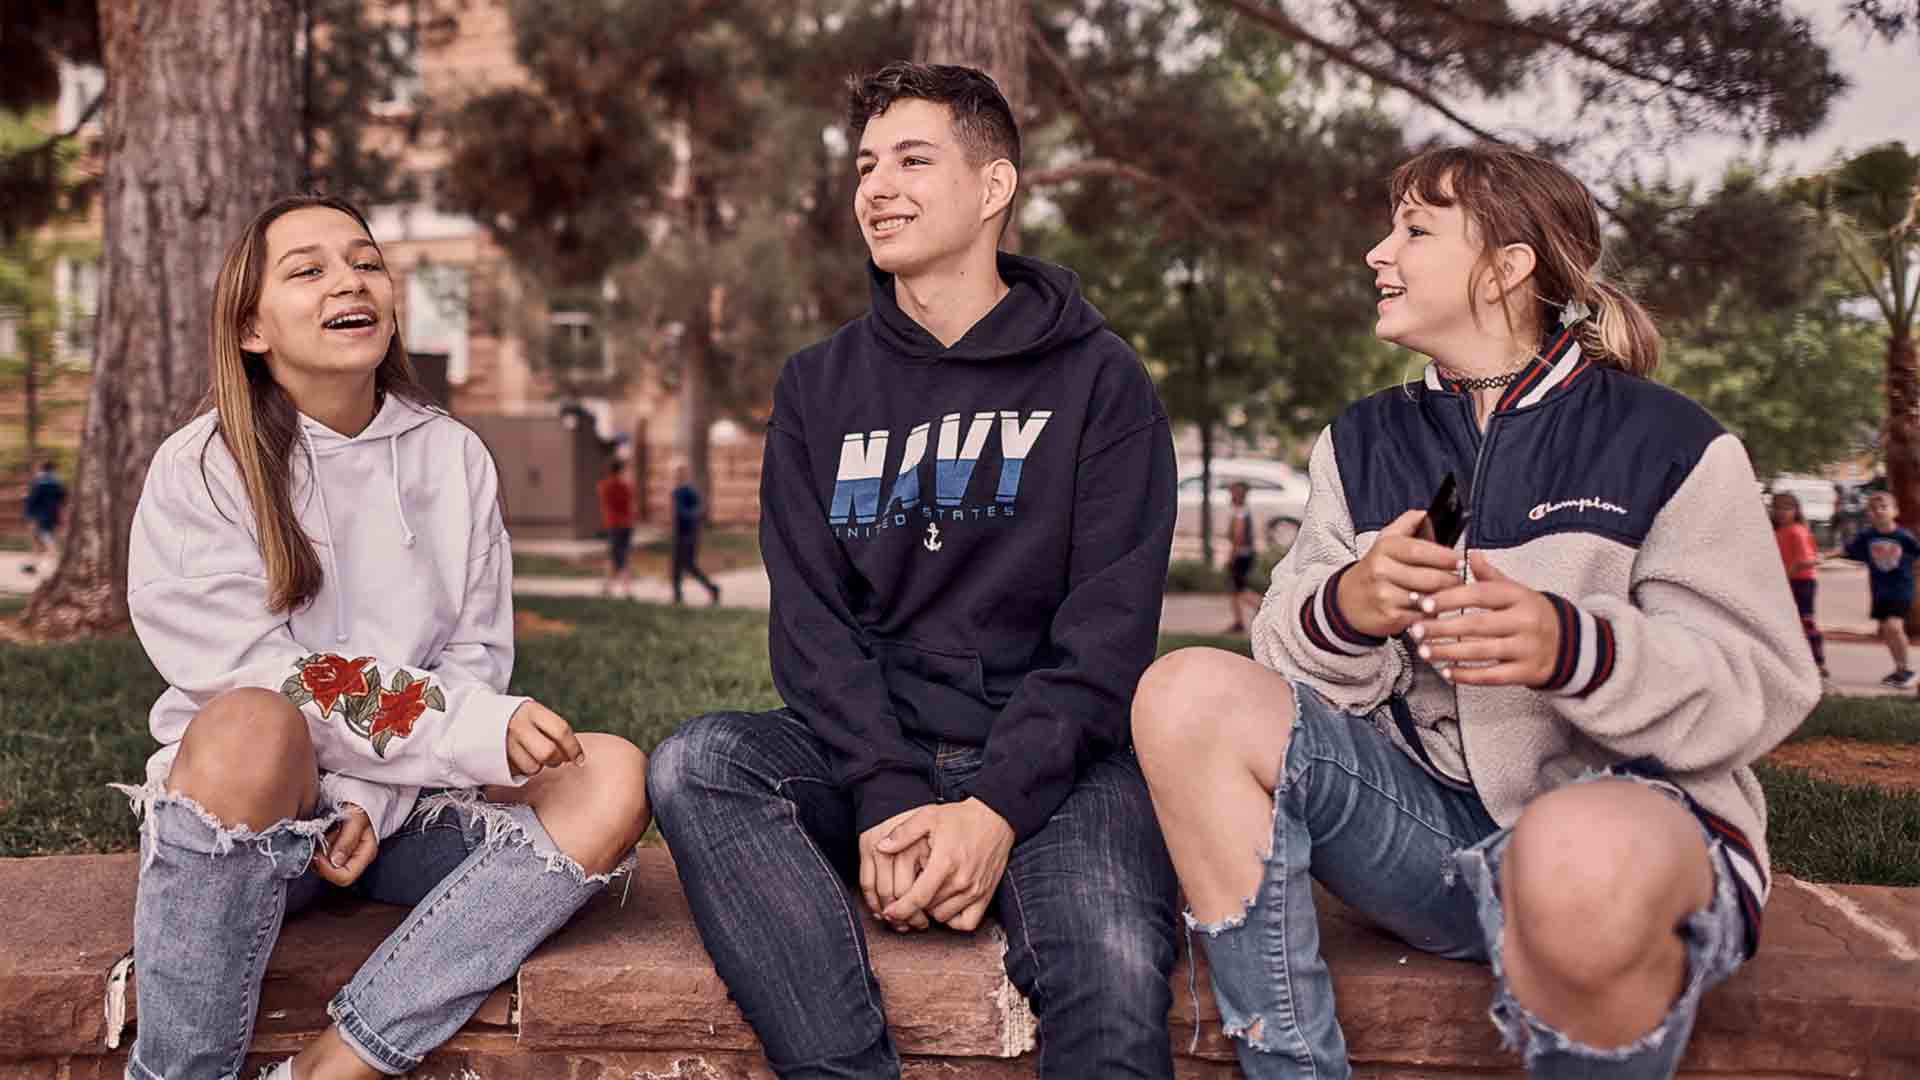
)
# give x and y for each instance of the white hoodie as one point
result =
(400, 661)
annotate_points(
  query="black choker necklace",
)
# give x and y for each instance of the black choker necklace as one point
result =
(1488, 382)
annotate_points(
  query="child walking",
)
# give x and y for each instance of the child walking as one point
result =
(1801, 558)
(1888, 549)
(320, 572)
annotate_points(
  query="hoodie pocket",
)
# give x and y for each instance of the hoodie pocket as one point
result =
(938, 692)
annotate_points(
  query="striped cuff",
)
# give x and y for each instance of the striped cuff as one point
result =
(1749, 877)
(1326, 627)
(1585, 660)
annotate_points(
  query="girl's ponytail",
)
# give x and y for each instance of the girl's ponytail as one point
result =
(1620, 333)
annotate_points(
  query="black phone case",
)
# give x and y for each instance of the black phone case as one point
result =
(1447, 514)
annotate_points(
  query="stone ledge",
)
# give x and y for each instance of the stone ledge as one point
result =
(627, 991)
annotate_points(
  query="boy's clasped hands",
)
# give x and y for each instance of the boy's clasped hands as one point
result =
(1504, 633)
(936, 863)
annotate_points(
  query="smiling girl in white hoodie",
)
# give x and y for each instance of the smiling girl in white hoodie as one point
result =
(320, 571)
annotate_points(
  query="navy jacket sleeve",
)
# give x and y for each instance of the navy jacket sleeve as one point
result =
(823, 665)
(1075, 707)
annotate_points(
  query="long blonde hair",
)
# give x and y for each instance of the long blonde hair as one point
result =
(258, 421)
(1513, 197)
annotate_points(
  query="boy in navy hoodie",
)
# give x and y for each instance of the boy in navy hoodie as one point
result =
(967, 506)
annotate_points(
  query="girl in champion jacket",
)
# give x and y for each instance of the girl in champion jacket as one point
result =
(1527, 744)
(320, 572)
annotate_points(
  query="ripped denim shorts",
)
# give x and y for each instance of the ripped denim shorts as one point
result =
(1421, 859)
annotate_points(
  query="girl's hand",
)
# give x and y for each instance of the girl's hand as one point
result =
(1515, 633)
(347, 849)
(538, 738)
(1381, 595)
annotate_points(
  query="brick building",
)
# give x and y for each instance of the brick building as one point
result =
(449, 277)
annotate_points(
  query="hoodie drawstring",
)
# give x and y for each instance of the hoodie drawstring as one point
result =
(333, 558)
(393, 445)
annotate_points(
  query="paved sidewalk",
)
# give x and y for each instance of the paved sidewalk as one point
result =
(1842, 605)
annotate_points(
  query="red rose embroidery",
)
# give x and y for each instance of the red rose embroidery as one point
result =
(328, 678)
(398, 710)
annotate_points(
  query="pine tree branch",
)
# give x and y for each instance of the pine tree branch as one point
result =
(1286, 26)
(1573, 45)
(1099, 166)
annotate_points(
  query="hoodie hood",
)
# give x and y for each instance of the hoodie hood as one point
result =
(1042, 311)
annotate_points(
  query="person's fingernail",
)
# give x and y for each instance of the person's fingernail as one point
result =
(1413, 597)
(1445, 672)
(1426, 652)
(1418, 632)
(1426, 605)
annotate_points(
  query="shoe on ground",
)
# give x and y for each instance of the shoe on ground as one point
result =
(1900, 679)
(1907, 679)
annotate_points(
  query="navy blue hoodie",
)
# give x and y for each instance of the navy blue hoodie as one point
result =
(967, 544)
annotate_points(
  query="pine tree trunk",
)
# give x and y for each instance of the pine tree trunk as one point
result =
(987, 34)
(203, 126)
(696, 402)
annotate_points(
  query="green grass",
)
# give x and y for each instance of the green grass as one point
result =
(1865, 719)
(531, 564)
(73, 719)
(1821, 831)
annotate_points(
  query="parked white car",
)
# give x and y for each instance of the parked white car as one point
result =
(1276, 493)
(1817, 497)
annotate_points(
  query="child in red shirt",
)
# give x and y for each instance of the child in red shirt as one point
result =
(616, 516)
(1800, 557)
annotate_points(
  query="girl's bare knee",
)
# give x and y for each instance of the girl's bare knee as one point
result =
(245, 755)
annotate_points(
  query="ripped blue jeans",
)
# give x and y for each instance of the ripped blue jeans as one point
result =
(485, 881)
(1422, 860)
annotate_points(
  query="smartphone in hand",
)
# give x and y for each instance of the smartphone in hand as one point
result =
(1447, 514)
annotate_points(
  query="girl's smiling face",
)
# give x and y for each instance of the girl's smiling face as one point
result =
(326, 300)
(1424, 270)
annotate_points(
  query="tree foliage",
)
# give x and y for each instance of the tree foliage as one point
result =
(675, 180)
(1657, 69)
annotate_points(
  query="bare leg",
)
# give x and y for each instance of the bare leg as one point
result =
(1211, 730)
(1596, 882)
(595, 812)
(1894, 632)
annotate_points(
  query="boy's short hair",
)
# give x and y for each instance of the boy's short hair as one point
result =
(982, 119)
(47, 465)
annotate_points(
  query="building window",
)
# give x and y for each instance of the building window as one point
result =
(400, 53)
(573, 344)
(76, 298)
(437, 315)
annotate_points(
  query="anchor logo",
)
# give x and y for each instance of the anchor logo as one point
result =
(932, 542)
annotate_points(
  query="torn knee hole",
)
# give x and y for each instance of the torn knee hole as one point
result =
(1253, 1033)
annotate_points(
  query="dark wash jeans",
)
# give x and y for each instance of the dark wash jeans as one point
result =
(766, 846)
